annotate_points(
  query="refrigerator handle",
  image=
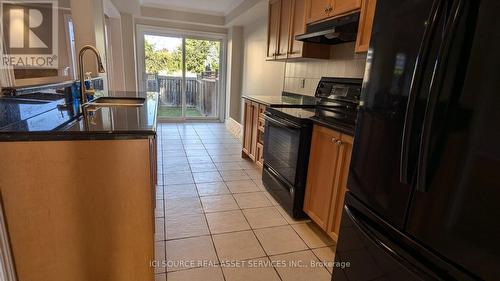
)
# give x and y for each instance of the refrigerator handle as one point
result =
(422, 57)
(436, 89)
(384, 242)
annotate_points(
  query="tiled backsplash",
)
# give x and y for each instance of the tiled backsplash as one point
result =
(302, 77)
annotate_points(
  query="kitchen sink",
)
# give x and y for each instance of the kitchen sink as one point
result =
(117, 101)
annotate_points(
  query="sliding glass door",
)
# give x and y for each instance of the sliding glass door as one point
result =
(185, 70)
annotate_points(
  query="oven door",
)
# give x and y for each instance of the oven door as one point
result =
(281, 149)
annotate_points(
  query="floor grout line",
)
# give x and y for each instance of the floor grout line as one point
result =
(210, 232)
(247, 171)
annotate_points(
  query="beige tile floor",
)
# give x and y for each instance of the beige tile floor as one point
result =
(215, 220)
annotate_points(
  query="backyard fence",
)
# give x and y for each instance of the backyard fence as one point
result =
(201, 93)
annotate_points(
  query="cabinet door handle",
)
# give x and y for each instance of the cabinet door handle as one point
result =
(328, 8)
(337, 141)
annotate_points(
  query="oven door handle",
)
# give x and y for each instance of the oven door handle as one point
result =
(282, 122)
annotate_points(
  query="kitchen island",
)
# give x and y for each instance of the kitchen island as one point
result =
(78, 189)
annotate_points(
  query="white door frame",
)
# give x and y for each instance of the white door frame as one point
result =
(142, 30)
(70, 46)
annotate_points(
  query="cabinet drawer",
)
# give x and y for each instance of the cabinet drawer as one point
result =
(262, 123)
(262, 110)
(260, 154)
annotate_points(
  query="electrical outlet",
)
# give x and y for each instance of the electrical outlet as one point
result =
(302, 83)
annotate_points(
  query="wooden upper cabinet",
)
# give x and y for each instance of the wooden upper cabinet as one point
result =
(273, 28)
(365, 25)
(297, 27)
(284, 27)
(321, 174)
(286, 20)
(344, 6)
(317, 10)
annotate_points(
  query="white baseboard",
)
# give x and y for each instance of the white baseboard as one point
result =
(235, 128)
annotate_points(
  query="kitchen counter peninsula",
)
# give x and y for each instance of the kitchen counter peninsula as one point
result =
(31, 120)
(78, 189)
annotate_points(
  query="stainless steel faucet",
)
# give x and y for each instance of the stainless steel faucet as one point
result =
(83, 93)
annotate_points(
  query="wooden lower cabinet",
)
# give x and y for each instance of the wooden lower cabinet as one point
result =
(253, 131)
(327, 178)
(83, 213)
(321, 176)
(340, 186)
(247, 129)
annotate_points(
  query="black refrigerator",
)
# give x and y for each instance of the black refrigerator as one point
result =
(423, 200)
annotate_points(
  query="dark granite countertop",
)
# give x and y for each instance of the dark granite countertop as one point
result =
(22, 120)
(298, 106)
(283, 100)
(348, 130)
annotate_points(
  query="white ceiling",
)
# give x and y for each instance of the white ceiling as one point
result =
(214, 7)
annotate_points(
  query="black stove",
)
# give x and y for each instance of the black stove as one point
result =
(288, 137)
(286, 99)
(298, 115)
(338, 101)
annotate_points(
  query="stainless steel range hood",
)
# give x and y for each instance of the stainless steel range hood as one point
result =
(335, 31)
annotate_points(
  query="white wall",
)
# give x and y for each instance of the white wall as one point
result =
(88, 20)
(180, 25)
(114, 55)
(260, 77)
(343, 63)
(129, 61)
(234, 72)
